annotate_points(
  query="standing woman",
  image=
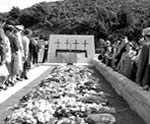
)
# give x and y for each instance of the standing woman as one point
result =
(3, 70)
(8, 59)
(10, 33)
(125, 66)
(19, 31)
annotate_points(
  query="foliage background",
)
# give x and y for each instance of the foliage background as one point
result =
(107, 19)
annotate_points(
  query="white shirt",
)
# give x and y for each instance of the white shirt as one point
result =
(25, 42)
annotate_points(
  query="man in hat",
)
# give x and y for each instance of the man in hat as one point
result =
(143, 73)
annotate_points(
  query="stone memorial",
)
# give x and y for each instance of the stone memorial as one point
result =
(71, 48)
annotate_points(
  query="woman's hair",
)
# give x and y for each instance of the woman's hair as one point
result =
(8, 28)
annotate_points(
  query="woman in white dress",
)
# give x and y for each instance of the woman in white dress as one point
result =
(19, 30)
(3, 69)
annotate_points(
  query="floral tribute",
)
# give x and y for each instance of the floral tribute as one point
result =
(69, 95)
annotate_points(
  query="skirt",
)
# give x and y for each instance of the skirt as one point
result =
(20, 60)
(15, 64)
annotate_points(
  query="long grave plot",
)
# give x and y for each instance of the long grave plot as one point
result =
(71, 48)
(72, 95)
(67, 96)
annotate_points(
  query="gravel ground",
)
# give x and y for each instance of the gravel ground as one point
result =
(124, 114)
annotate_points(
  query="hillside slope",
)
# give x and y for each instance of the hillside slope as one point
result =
(102, 18)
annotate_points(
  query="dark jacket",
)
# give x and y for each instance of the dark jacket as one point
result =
(143, 73)
(13, 43)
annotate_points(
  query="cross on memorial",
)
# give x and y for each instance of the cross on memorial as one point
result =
(67, 43)
(85, 44)
(76, 44)
(57, 44)
(70, 47)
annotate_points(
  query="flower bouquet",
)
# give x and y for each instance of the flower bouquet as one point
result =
(68, 95)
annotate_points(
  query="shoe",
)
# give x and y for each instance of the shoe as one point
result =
(13, 82)
(1, 87)
(10, 83)
(4, 87)
(7, 83)
(146, 87)
(18, 79)
(25, 77)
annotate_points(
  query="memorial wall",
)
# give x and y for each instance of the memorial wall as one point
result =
(71, 48)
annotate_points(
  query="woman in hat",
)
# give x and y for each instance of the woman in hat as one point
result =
(19, 32)
(3, 49)
(9, 31)
(8, 59)
(121, 49)
(125, 65)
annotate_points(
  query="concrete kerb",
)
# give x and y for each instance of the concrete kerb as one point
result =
(136, 97)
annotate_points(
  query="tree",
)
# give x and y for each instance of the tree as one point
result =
(28, 20)
(125, 17)
(14, 12)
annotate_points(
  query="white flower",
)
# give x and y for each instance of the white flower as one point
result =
(47, 116)
(40, 117)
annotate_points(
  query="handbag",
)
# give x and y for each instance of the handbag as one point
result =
(3, 70)
(27, 64)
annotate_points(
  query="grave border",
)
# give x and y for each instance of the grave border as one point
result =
(135, 96)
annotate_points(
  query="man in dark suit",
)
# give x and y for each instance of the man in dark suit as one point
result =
(45, 52)
(143, 73)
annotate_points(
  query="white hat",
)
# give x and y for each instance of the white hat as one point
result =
(108, 42)
(20, 27)
(126, 39)
(146, 31)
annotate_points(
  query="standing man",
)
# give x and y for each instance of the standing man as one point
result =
(35, 51)
(26, 41)
(143, 73)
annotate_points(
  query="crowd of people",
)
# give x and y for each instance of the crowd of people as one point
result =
(130, 58)
(18, 52)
